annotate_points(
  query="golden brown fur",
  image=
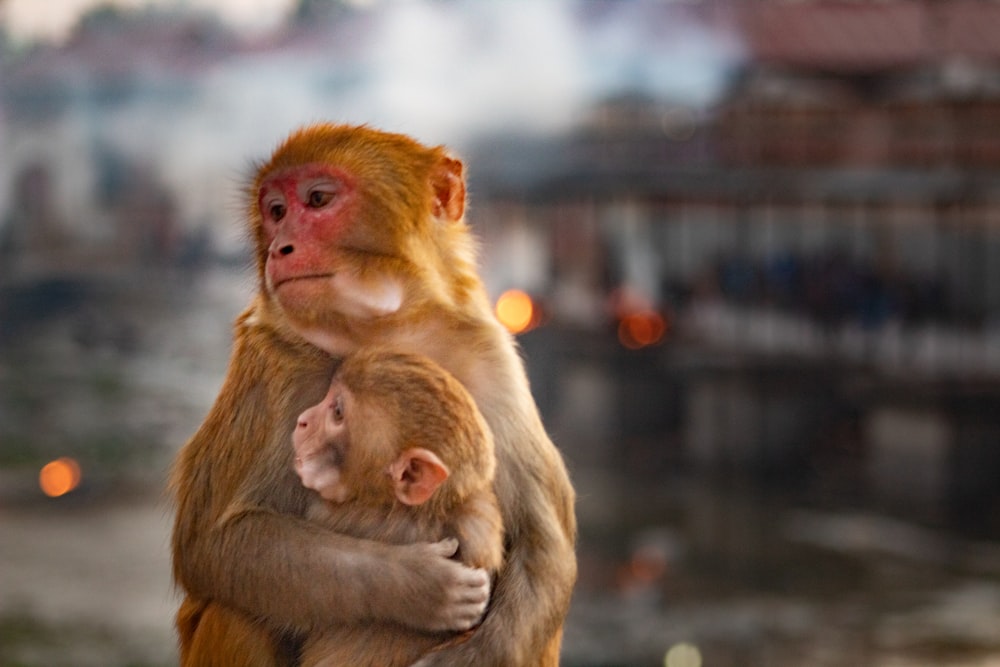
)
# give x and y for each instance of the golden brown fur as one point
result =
(426, 408)
(241, 540)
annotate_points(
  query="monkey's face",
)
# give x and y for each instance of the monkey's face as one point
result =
(321, 440)
(305, 211)
(356, 231)
(311, 215)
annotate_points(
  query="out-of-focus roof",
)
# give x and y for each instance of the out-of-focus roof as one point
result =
(854, 35)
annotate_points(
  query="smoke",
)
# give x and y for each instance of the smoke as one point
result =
(449, 71)
(470, 67)
(660, 49)
(444, 71)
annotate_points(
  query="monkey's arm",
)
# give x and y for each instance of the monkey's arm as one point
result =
(299, 576)
(238, 537)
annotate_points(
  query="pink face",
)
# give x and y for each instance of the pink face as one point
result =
(306, 210)
(321, 440)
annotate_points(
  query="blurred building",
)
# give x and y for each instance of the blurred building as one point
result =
(849, 174)
(83, 196)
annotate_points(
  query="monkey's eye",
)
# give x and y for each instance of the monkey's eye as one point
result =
(338, 410)
(320, 198)
(277, 211)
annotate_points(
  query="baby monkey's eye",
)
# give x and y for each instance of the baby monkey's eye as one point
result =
(277, 211)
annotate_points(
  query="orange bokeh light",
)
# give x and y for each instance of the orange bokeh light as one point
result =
(59, 477)
(516, 311)
(641, 329)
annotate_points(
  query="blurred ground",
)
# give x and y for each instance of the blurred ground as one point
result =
(86, 585)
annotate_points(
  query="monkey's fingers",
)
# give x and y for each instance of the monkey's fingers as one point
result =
(446, 548)
(470, 599)
(475, 586)
(469, 617)
(466, 594)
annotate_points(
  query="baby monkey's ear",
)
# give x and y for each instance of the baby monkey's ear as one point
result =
(416, 474)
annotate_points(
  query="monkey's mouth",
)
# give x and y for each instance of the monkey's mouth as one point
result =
(295, 279)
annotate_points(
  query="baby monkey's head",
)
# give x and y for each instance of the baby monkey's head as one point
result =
(393, 427)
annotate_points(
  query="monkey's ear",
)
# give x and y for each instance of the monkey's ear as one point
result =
(416, 475)
(448, 181)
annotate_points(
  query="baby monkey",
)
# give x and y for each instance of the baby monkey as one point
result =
(399, 453)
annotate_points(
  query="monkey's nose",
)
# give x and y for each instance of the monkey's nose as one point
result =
(303, 423)
(280, 247)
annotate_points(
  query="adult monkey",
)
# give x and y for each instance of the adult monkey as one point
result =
(361, 240)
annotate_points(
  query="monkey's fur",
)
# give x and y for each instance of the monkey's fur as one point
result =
(424, 409)
(401, 274)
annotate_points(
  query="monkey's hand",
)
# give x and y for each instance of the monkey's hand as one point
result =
(441, 594)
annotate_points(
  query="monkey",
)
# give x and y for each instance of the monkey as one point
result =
(424, 474)
(360, 239)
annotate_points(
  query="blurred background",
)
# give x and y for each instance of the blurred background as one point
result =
(751, 251)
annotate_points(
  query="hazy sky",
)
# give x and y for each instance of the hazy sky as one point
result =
(55, 18)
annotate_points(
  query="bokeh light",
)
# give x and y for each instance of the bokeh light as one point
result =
(641, 329)
(516, 311)
(683, 655)
(59, 477)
